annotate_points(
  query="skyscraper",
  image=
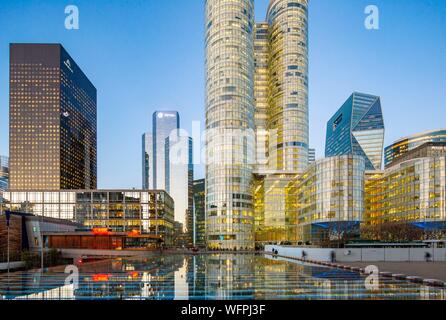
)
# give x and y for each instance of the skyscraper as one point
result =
(288, 85)
(179, 173)
(198, 226)
(147, 161)
(167, 162)
(272, 58)
(358, 128)
(53, 138)
(229, 123)
(4, 173)
(163, 124)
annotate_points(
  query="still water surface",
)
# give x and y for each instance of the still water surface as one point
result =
(207, 277)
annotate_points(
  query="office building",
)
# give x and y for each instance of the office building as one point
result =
(179, 174)
(357, 128)
(399, 148)
(230, 124)
(167, 162)
(147, 161)
(4, 173)
(288, 123)
(139, 211)
(411, 192)
(164, 123)
(197, 227)
(311, 156)
(254, 72)
(261, 84)
(323, 203)
(53, 138)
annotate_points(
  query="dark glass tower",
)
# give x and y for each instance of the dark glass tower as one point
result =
(358, 128)
(53, 138)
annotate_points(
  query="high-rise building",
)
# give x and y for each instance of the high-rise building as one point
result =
(288, 123)
(229, 123)
(254, 72)
(404, 145)
(163, 124)
(167, 162)
(261, 85)
(4, 173)
(198, 226)
(357, 128)
(179, 175)
(311, 156)
(52, 130)
(147, 161)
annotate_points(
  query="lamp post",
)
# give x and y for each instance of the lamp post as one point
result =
(8, 217)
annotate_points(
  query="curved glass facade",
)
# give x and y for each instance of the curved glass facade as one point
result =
(404, 145)
(229, 123)
(288, 85)
(327, 199)
(410, 192)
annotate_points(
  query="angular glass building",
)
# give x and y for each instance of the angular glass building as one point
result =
(357, 128)
(4, 173)
(229, 43)
(399, 148)
(142, 212)
(53, 125)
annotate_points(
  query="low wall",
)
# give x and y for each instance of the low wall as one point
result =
(362, 255)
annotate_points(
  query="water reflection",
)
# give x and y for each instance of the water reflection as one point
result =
(204, 277)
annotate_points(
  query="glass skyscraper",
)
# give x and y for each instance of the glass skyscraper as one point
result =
(254, 72)
(197, 225)
(4, 173)
(179, 173)
(404, 145)
(53, 138)
(147, 161)
(167, 162)
(163, 124)
(230, 124)
(288, 85)
(357, 128)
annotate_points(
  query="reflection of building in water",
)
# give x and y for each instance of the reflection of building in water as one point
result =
(229, 276)
(181, 287)
(196, 276)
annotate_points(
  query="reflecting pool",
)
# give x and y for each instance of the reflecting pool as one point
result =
(207, 277)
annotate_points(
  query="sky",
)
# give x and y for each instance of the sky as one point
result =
(148, 55)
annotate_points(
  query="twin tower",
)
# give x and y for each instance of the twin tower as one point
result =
(256, 109)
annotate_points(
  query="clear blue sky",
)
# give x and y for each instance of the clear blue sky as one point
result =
(147, 55)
